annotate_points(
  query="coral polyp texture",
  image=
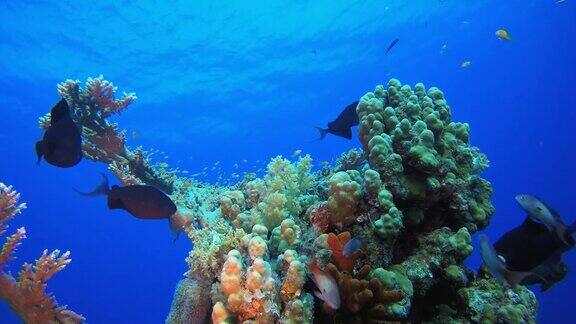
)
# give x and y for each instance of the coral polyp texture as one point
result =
(26, 294)
(407, 202)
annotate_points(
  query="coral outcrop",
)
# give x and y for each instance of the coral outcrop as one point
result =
(26, 295)
(413, 196)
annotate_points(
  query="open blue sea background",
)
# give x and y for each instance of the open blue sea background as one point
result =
(241, 82)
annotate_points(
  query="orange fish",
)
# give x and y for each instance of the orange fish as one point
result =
(327, 286)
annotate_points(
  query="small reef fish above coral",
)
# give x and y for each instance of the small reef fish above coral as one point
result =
(341, 126)
(141, 201)
(541, 212)
(503, 34)
(61, 144)
(466, 64)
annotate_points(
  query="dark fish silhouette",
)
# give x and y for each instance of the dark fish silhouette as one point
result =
(497, 267)
(342, 124)
(61, 145)
(142, 201)
(532, 247)
(391, 45)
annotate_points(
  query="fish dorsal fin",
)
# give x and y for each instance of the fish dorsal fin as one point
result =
(533, 226)
(60, 111)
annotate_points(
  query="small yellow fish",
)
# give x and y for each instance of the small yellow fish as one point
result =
(503, 34)
(466, 64)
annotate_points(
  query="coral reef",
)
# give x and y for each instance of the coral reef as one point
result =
(91, 107)
(191, 302)
(27, 295)
(413, 196)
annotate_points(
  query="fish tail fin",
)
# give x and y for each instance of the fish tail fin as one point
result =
(102, 189)
(562, 232)
(39, 151)
(514, 278)
(323, 132)
(571, 229)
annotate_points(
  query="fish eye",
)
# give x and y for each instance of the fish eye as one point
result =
(539, 208)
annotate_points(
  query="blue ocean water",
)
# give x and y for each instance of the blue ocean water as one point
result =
(241, 82)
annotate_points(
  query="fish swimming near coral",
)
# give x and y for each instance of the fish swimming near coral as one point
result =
(61, 144)
(351, 247)
(497, 267)
(392, 44)
(327, 287)
(543, 213)
(532, 247)
(342, 125)
(141, 201)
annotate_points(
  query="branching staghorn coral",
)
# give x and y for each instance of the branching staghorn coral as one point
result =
(27, 294)
(102, 140)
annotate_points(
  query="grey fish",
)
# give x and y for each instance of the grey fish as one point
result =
(342, 125)
(543, 213)
(61, 144)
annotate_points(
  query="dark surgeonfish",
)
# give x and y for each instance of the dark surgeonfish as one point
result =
(61, 145)
(342, 125)
(141, 201)
(532, 247)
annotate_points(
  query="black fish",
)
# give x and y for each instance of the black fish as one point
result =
(342, 124)
(142, 201)
(391, 45)
(552, 271)
(62, 144)
(532, 247)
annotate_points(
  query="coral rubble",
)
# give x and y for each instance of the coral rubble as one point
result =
(26, 294)
(413, 196)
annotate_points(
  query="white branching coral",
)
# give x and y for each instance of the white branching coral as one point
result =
(27, 296)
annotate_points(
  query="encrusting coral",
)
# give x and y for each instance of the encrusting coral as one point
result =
(413, 197)
(26, 295)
